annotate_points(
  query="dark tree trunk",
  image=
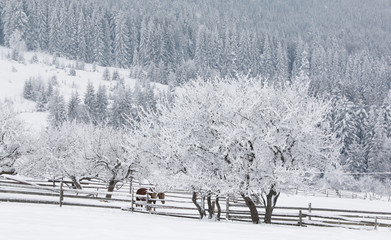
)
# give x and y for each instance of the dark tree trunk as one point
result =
(253, 209)
(111, 187)
(210, 207)
(218, 208)
(8, 171)
(271, 200)
(75, 183)
(200, 211)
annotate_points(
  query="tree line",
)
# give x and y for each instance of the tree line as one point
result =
(100, 107)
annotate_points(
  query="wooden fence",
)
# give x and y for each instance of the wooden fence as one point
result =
(312, 216)
(178, 203)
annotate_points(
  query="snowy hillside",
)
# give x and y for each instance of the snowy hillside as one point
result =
(14, 74)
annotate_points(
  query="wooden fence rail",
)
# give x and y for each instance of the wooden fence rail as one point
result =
(178, 203)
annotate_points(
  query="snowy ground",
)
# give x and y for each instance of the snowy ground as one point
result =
(28, 221)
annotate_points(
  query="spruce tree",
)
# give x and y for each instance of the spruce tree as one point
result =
(81, 37)
(106, 74)
(90, 102)
(57, 110)
(101, 105)
(74, 107)
(28, 90)
(121, 41)
(41, 101)
(43, 26)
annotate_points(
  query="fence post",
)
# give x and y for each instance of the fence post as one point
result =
(203, 204)
(327, 193)
(300, 218)
(146, 202)
(130, 185)
(376, 223)
(61, 193)
(227, 208)
(309, 211)
(132, 194)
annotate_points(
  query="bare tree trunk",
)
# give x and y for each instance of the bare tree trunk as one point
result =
(271, 200)
(111, 187)
(253, 209)
(75, 183)
(200, 211)
(218, 208)
(210, 207)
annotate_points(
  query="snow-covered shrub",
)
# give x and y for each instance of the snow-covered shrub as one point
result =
(80, 65)
(106, 75)
(34, 59)
(72, 72)
(115, 76)
(53, 80)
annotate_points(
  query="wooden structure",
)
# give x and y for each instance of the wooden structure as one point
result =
(178, 203)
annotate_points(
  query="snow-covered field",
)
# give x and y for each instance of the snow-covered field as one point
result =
(28, 221)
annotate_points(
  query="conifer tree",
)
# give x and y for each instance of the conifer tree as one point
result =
(106, 74)
(57, 110)
(28, 90)
(41, 101)
(90, 102)
(54, 33)
(267, 67)
(99, 39)
(33, 24)
(101, 105)
(81, 37)
(74, 107)
(121, 41)
(43, 26)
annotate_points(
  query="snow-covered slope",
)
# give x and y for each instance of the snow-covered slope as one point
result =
(13, 75)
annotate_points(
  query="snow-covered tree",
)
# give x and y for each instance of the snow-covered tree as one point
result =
(122, 107)
(18, 45)
(90, 102)
(60, 152)
(74, 110)
(106, 74)
(57, 110)
(239, 137)
(121, 41)
(12, 140)
(107, 151)
(101, 105)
